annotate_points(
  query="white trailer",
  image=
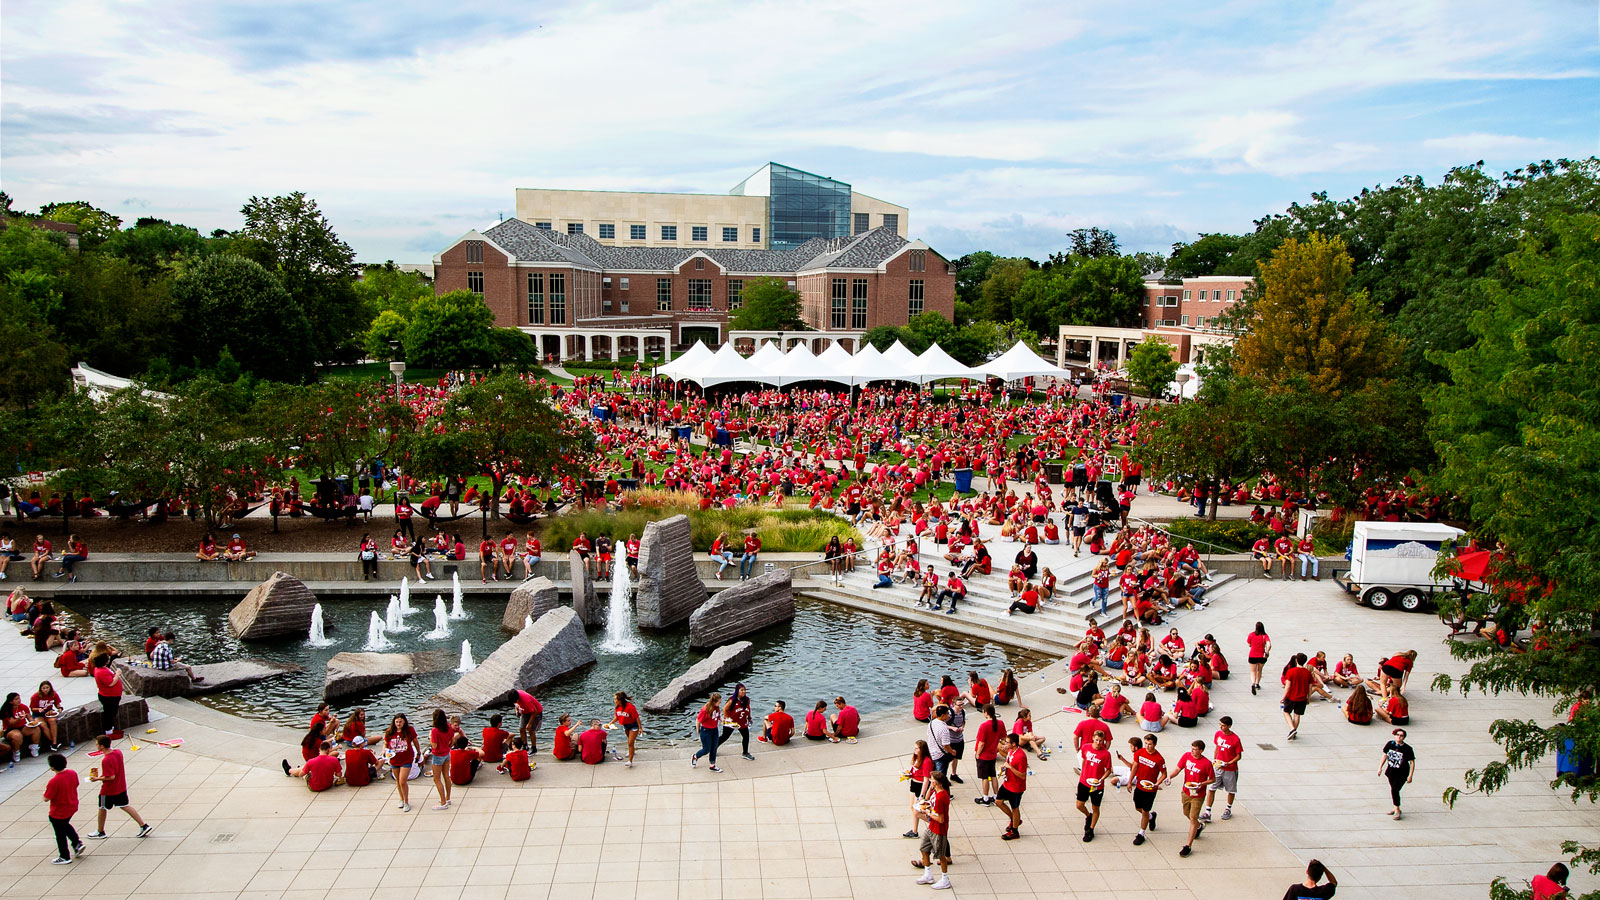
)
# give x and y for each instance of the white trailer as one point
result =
(1392, 563)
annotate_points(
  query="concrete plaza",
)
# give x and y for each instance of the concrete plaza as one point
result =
(825, 820)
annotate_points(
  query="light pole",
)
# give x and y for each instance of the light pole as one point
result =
(399, 370)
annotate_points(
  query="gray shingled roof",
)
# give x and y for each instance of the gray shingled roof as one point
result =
(528, 243)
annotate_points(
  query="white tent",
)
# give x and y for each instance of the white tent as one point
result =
(1020, 362)
(724, 366)
(688, 362)
(869, 365)
(935, 364)
(902, 360)
(833, 364)
(797, 365)
(767, 358)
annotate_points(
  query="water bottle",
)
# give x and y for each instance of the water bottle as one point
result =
(1060, 746)
(1030, 772)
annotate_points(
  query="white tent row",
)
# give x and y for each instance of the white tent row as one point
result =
(769, 365)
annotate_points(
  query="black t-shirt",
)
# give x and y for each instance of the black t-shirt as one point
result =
(1301, 892)
(1397, 757)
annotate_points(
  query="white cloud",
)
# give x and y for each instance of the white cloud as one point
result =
(1478, 145)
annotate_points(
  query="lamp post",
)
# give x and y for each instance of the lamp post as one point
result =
(399, 370)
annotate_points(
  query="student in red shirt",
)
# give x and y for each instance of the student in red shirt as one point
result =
(1148, 772)
(113, 779)
(1095, 767)
(1296, 691)
(532, 713)
(1007, 690)
(464, 761)
(709, 723)
(846, 722)
(400, 741)
(1228, 748)
(978, 690)
(627, 715)
(516, 765)
(495, 740)
(1260, 649)
(439, 757)
(61, 792)
(1197, 774)
(1552, 885)
(508, 554)
(320, 772)
(360, 766)
(986, 749)
(936, 840)
(817, 722)
(1013, 783)
(566, 742)
(778, 726)
(487, 567)
(592, 744)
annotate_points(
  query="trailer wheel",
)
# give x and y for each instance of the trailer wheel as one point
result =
(1411, 601)
(1378, 598)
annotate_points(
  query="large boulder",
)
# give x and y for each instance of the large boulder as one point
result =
(554, 646)
(278, 607)
(350, 674)
(743, 609)
(148, 681)
(585, 600)
(82, 723)
(670, 589)
(708, 672)
(530, 600)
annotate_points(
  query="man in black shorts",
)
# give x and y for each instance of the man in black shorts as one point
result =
(1148, 773)
(1094, 768)
(1012, 786)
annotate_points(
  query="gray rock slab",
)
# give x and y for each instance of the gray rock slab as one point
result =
(743, 609)
(530, 599)
(554, 646)
(670, 589)
(585, 600)
(277, 607)
(82, 723)
(349, 674)
(704, 674)
(223, 676)
(147, 681)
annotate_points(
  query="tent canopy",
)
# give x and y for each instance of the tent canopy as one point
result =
(769, 365)
(935, 364)
(1020, 362)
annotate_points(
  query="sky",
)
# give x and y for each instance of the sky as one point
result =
(1000, 125)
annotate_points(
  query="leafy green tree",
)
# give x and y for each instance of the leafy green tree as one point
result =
(971, 270)
(114, 316)
(513, 349)
(1044, 300)
(156, 246)
(1001, 283)
(883, 337)
(1519, 426)
(1309, 325)
(332, 426)
(34, 364)
(294, 240)
(1104, 290)
(769, 305)
(1148, 263)
(450, 329)
(387, 330)
(1091, 243)
(231, 302)
(930, 328)
(94, 225)
(1211, 440)
(1151, 366)
(388, 287)
(1202, 256)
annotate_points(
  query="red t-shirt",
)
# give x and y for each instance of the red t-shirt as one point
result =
(563, 748)
(592, 746)
(627, 714)
(494, 744)
(980, 691)
(1543, 887)
(106, 682)
(1197, 774)
(517, 765)
(1147, 766)
(1228, 746)
(1258, 644)
(816, 723)
(439, 741)
(1096, 765)
(528, 705)
(987, 741)
(321, 772)
(849, 721)
(781, 727)
(115, 775)
(356, 763)
(1014, 782)
(401, 754)
(922, 706)
(1398, 662)
(1084, 731)
(1297, 683)
(62, 792)
(941, 808)
(948, 694)
(461, 766)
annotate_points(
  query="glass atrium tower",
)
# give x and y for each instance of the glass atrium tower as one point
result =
(800, 205)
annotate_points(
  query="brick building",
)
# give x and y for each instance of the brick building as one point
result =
(580, 298)
(1182, 312)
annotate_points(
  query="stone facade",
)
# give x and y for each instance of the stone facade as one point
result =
(350, 674)
(278, 607)
(704, 674)
(585, 600)
(554, 646)
(743, 609)
(670, 589)
(530, 599)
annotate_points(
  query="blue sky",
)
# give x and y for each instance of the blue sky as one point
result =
(1001, 125)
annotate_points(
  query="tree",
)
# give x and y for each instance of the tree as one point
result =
(1004, 278)
(156, 246)
(1148, 263)
(769, 305)
(388, 287)
(451, 329)
(94, 225)
(883, 336)
(231, 302)
(387, 330)
(1521, 413)
(331, 426)
(290, 236)
(1308, 324)
(1104, 290)
(1152, 367)
(34, 364)
(1202, 256)
(1091, 243)
(971, 270)
(1212, 439)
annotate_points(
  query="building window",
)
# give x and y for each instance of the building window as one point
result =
(697, 232)
(558, 299)
(841, 298)
(608, 232)
(891, 221)
(700, 293)
(1230, 296)
(914, 306)
(735, 293)
(663, 294)
(1184, 319)
(606, 282)
(624, 283)
(535, 298)
(790, 284)
(700, 264)
(543, 225)
(730, 235)
(755, 235)
(474, 251)
(862, 223)
(858, 303)
(574, 228)
(475, 282)
(919, 260)
(669, 232)
(1200, 321)
(1185, 295)
(624, 302)
(636, 232)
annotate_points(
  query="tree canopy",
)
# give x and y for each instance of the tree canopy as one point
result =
(1151, 366)
(769, 305)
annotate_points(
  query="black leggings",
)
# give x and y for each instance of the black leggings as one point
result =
(1397, 780)
(369, 567)
(744, 736)
(108, 713)
(66, 836)
(1019, 606)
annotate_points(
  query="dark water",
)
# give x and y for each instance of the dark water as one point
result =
(826, 651)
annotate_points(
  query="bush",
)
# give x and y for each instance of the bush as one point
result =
(781, 531)
(1235, 534)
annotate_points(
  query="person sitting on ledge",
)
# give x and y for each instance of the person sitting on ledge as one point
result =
(846, 723)
(517, 766)
(161, 658)
(592, 744)
(237, 550)
(464, 760)
(778, 726)
(320, 772)
(566, 741)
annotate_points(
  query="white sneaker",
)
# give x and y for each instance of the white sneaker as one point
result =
(927, 876)
(943, 884)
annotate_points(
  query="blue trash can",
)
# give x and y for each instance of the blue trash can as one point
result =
(722, 438)
(963, 479)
